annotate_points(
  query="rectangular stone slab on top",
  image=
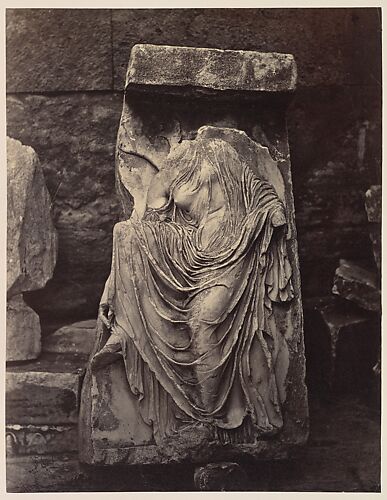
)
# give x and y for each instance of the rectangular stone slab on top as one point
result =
(235, 70)
(152, 122)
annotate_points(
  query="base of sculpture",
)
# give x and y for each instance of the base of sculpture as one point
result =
(118, 435)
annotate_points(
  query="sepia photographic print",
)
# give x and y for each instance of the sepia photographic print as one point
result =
(193, 249)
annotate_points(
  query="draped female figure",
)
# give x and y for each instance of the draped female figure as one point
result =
(189, 300)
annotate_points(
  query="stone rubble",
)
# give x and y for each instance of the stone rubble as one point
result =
(358, 285)
(77, 338)
(31, 247)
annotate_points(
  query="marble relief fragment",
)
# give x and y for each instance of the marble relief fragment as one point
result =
(200, 327)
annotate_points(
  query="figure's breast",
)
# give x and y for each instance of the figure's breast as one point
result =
(186, 196)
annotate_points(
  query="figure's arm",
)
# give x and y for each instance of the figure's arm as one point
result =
(105, 311)
(278, 218)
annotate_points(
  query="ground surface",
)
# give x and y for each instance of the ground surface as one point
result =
(343, 454)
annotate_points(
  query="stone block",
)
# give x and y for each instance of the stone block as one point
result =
(40, 439)
(76, 338)
(167, 67)
(23, 331)
(42, 397)
(31, 236)
(357, 284)
(56, 50)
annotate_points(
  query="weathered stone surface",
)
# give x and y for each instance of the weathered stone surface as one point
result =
(31, 236)
(357, 284)
(42, 44)
(53, 472)
(74, 136)
(156, 66)
(347, 36)
(40, 439)
(76, 338)
(42, 397)
(224, 476)
(23, 331)
(373, 203)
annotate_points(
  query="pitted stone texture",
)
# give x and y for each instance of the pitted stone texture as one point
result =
(76, 338)
(42, 44)
(23, 331)
(359, 285)
(41, 397)
(74, 136)
(192, 68)
(31, 236)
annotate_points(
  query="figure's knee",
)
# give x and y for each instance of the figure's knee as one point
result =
(213, 304)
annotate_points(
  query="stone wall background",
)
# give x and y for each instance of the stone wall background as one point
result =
(65, 75)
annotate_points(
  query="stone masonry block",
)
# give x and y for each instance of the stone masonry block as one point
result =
(50, 50)
(34, 397)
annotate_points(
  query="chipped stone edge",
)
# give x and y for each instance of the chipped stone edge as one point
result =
(132, 82)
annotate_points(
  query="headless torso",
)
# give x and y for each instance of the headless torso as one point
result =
(200, 198)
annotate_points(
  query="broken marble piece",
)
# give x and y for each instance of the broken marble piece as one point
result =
(77, 338)
(186, 297)
(359, 285)
(224, 476)
(31, 247)
(31, 236)
(373, 205)
(23, 330)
